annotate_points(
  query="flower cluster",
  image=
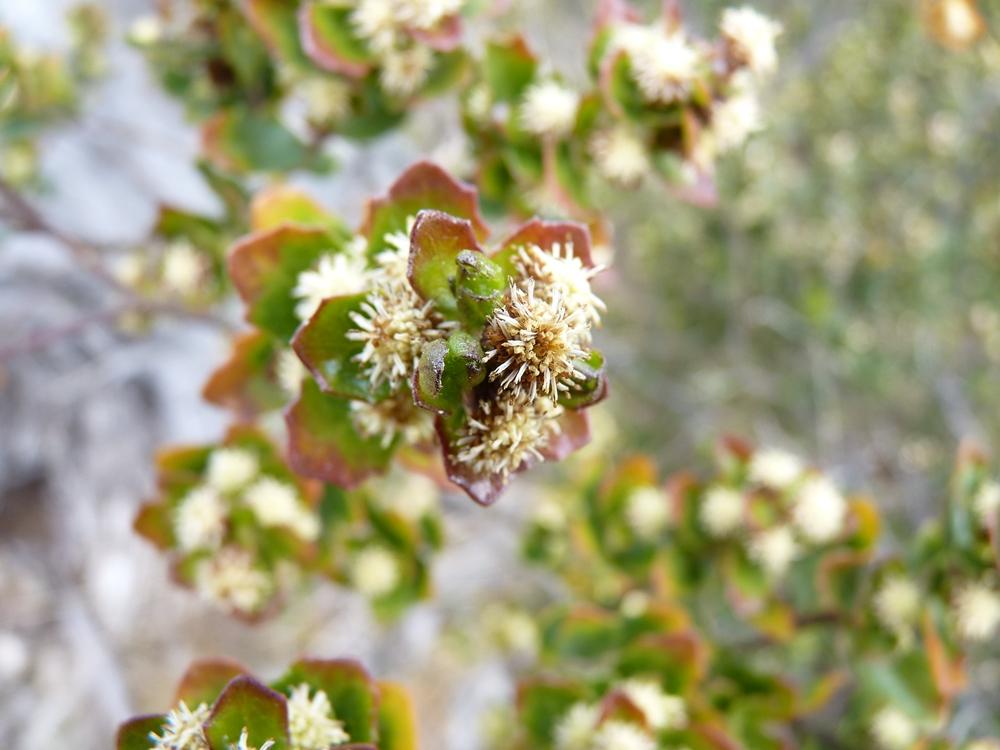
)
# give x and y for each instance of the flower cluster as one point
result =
(316, 705)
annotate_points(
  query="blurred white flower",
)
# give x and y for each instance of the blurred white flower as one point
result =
(662, 710)
(664, 65)
(734, 120)
(620, 155)
(426, 14)
(128, 269)
(977, 611)
(774, 550)
(635, 603)
(549, 109)
(721, 512)
(183, 268)
(620, 735)
(182, 729)
(405, 71)
(277, 503)
(14, 656)
(549, 515)
(576, 729)
(819, 510)
(375, 21)
(986, 503)
(199, 520)
(775, 468)
(231, 580)
(229, 469)
(647, 511)
(375, 571)
(327, 99)
(893, 730)
(333, 276)
(415, 497)
(146, 30)
(752, 36)
(311, 722)
(290, 372)
(897, 602)
(518, 632)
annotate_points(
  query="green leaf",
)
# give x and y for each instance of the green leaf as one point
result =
(592, 388)
(277, 24)
(479, 286)
(134, 733)
(244, 383)
(323, 443)
(330, 42)
(542, 703)
(347, 684)
(205, 681)
(436, 242)
(265, 267)
(247, 704)
(447, 369)
(324, 347)
(284, 204)
(509, 67)
(396, 720)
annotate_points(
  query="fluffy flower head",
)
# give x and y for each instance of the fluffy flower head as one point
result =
(311, 723)
(977, 611)
(576, 728)
(662, 710)
(503, 436)
(183, 729)
(820, 510)
(230, 469)
(722, 511)
(200, 520)
(231, 579)
(647, 511)
(893, 729)
(774, 468)
(897, 602)
(375, 571)
(775, 550)
(549, 109)
(277, 503)
(620, 155)
(664, 65)
(751, 36)
(333, 275)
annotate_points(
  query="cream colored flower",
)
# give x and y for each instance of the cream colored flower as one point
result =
(576, 728)
(405, 71)
(664, 65)
(311, 721)
(183, 268)
(647, 511)
(375, 21)
(751, 36)
(819, 510)
(502, 437)
(426, 14)
(290, 372)
(128, 269)
(721, 512)
(333, 276)
(375, 572)
(559, 273)
(620, 155)
(774, 550)
(549, 109)
(774, 468)
(662, 710)
(146, 30)
(415, 497)
(183, 729)
(230, 469)
(894, 730)
(277, 503)
(548, 514)
(620, 735)
(199, 520)
(986, 503)
(231, 579)
(734, 120)
(897, 602)
(327, 100)
(977, 611)
(392, 417)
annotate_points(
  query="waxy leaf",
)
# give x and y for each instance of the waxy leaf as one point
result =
(134, 733)
(330, 42)
(397, 721)
(447, 369)
(275, 22)
(247, 704)
(479, 286)
(509, 68)
(205, 680)
(243, 384)
(435, 244)
(542, 703)
(283, 204)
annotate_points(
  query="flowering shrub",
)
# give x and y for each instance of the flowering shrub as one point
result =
(316, 704)
(242, 529)
(747, 610)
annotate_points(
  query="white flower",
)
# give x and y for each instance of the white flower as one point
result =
(230, 579)
(961, 21)
(405, 71)
(635, 603)
(986, 503)
(333, 276)
(244, 742)
(417, 497)
(620, 156)
(721, 512)
(776, 469)
(199, 520)
(734, 120)
(498, 440)
(752, 36)
(560, 274)
(311, 723)
(128, 269)
(549, 109)
(774, 550)
(277, 503)
(620, 735)
(893, 729)
(662, 710)
(183, 268)
(146, 30)
(518, 632)
(183, 729)
(375, 20)
(819, 510)
(327, 99)
(426, 14)
(375, 571)
(897, 602)
(575, 730)
(664, 65)
(977, 611)
(647, 511)
(549, 515)
(229, 469)
(290, 372)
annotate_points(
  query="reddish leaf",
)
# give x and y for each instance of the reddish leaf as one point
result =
(153, 522)
(134, 733)
(330, 42)
(435, 243)
(247, 705)
(205, 680)
(241, 384)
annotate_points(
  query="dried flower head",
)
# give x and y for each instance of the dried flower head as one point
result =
(277, 503)
(230, 469)
(311, 721)
(721, 513)
(333, 275)
(559, 272)
(498, 440)
(231, 579)
(549, 109)
(199, 520)
(183, 729)
(977, 611)
(620, 155)
(533, 341)
(751, 37)
(392, 417)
